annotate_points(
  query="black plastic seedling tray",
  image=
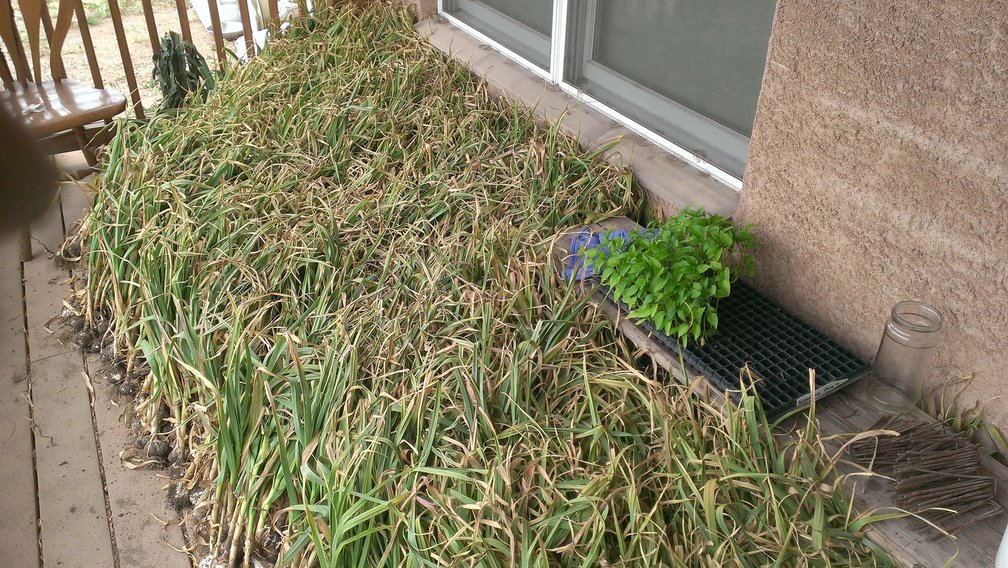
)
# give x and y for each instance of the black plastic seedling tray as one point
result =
(778, 347)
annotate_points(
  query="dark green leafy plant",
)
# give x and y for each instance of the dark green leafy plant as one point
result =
(675, 273)
(180, 70)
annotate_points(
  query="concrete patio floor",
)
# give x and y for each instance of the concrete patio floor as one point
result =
(68, 499)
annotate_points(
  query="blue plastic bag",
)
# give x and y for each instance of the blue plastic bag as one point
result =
(578, 266)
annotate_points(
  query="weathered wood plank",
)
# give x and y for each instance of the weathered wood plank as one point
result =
(75, 203)
(846, 412)
(851, 412)
(147, 531)
(47, 232)
(42, 277)
(19, 521)
(74, 524)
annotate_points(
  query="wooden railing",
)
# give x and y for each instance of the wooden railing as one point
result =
(253, 18)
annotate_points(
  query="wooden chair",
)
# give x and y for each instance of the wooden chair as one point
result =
(59, 105)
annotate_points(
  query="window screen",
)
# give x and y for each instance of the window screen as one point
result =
(688, 69)
(523, 26)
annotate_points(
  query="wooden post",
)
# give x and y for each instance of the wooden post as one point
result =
(243, 8)
(183, 16)
(89, 51)
(127, 61)
(218, 36)
(152, 34)
(274, 12)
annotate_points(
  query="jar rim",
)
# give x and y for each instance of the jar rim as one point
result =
(907, 307)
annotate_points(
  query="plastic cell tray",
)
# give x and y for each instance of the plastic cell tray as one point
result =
(778, 347)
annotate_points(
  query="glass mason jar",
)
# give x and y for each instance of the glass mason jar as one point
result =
(905, 356)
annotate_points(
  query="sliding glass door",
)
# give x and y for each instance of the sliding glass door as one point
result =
(687, 70)
(523, 26)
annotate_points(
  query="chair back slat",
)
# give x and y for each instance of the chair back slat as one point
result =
(5, 72)
(37, 19)
(31, 12)
(64, 17)
(12, 39)
(56, 68)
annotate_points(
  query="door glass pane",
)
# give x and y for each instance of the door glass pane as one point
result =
(523, 26)
(535, 14)
(689, 69)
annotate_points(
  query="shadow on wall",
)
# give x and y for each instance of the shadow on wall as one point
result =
(878, 172)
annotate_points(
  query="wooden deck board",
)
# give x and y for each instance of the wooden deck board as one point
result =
(851, 412)
(75, 204)
(74, 523)
(147, 532)
(19, 521)
(94, 511)
(846, 412)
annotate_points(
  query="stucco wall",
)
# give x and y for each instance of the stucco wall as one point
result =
(878, 171)
(423, 8)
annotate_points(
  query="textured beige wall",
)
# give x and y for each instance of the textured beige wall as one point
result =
(423, 8)
(878, 172)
